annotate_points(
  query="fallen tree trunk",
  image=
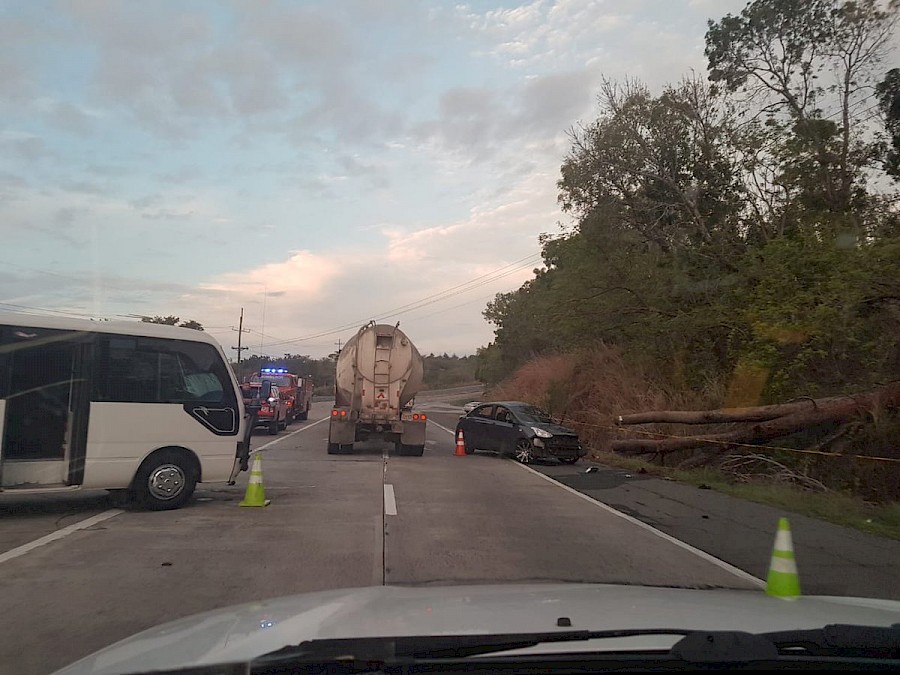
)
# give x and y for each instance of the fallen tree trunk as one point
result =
(843, 409)
(760, 413)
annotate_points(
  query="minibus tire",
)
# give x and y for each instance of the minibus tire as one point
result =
(168, 463)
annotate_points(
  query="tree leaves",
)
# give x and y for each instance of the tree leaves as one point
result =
(731, 223)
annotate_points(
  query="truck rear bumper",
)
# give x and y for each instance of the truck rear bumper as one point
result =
(346, 430)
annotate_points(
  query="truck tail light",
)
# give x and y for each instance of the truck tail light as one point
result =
(343, 413)
(334, 413)
(419, 416)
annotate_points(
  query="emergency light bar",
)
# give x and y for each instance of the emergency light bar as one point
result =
(273, 370)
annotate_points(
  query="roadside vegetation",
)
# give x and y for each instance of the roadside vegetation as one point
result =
(736, 242)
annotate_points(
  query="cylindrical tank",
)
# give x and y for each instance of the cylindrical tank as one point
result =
(379, 368)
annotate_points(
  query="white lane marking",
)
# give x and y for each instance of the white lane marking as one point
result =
(106, 515)
(390, 504)
(281, 438)
(728, 567)
(59, 534)
(441, 426)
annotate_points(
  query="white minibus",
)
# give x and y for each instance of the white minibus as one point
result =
(144, 410)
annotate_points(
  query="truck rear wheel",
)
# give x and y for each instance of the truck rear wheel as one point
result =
(411, 450)
(303, 415)
(334, 449)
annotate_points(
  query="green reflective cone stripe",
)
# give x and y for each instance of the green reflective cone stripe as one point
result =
(783, 580)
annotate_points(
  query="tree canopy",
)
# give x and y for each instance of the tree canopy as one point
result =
(173, 321)
(734, 223)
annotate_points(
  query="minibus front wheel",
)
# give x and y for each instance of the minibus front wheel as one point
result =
(165, 480)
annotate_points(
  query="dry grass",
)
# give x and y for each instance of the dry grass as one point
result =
(593, 386)
(833, 507)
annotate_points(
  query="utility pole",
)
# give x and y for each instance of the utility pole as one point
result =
(240, 331)
(339, 344)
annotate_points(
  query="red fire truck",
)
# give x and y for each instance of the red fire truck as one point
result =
(295, 389)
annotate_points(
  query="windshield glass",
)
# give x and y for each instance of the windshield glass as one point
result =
(589, 292)
(532, 414)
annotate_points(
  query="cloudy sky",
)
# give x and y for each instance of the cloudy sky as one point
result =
(318, 163)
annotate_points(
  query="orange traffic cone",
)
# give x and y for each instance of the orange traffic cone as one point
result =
(460, 445)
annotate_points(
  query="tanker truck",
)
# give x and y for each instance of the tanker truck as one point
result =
(377, 375)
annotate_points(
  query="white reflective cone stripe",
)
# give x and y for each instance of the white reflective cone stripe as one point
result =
(783, 541)
(255, 478)
(786, 565)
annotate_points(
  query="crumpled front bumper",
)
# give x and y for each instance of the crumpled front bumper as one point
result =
(558, 447)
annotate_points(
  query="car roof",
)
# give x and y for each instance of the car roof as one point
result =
(513, 405)
(130, 328)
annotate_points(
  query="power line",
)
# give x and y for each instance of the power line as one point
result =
(434, 297)
(445, 294)
(462, 304)
(44, 311)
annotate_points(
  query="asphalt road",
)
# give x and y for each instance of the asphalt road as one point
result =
(355, 520)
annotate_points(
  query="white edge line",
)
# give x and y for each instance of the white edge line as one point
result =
(728, 567)
(441, 426)
(281, 438)
(112, 513)
(390, 503)
(58, 534)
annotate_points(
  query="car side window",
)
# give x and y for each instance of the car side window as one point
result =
(486, 412)
(503, 415)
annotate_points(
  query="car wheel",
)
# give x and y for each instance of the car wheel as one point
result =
(568, 460)
(524, 451)
(273, 428)
(165, 481)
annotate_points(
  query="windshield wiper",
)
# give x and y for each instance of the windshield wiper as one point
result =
(443, 646)
(842, 640)
(695, 646)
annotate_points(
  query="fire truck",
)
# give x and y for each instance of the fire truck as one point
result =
(296, 389)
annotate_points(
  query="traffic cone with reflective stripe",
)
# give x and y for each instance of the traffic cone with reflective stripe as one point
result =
(256, 493)
(783, 581)
(460, 444)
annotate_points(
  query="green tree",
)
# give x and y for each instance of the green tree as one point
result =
(173, 321)
(164, 320)
(888, 91)
(807, 67)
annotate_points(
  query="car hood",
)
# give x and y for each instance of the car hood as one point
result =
(243, 632)
(555, 429)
